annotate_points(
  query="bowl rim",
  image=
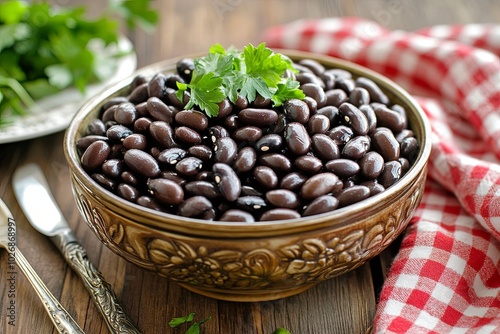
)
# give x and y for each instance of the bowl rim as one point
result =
(211, 229)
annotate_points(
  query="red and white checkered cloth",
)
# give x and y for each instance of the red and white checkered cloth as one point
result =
(446, 276)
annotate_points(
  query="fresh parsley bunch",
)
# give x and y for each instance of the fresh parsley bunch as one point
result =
(228, 74)
(44, 48)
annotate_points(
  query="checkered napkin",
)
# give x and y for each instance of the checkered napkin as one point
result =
(446, 276)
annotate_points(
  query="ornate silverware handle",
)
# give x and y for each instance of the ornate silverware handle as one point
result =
(63, 322)
(100, 290)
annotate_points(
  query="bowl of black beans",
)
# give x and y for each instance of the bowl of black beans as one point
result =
(243, 192)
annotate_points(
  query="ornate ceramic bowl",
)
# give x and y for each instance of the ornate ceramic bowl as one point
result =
(258, 261)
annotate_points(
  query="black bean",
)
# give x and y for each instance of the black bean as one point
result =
(279, 214)
(278, 162)
(307, 77)
(322, 204)
(279, 126)
(117, 133)
(405, 165)
(96, 127)
(228, 182)
(235, 215)
(392, 172)
(311, 103)
(202, 188)
(359, 96)
(113, 167)
(109, 114)
(104, 181)
(297, 139)
(141, 125)
(367, 110)
(139, 94)
(126, 114)
(297, 110)
(156, 86)
(308, 164)
(405, 133)
(388, 118)
(194, 206)
(119, 99)
(252, 204)
(248, 134)
(283, 198)
(331, 112)
(166, 191)
(258, 117)
(293, 181)
(347, 85)
(374, 186)
(135, 140)
(241, 102)
(376, 94)
(356, 147)
(400, 110)
(341, 134)
(342, 167)
(245, 159)
(371, 164)
(386, 144)
(316, 92)
(409, 148)
(270, 142)
(173, 176)
(187, 135)
(325, 147)
(128, 192)
(193, 119)
(129, 178)
(95, 155)
(85, 142)
(202, 152)
(316, 67)
(172, 98)
(265, 176)
(163, 133)
(225, 149)
(171, 156)
(319, 185)
(185, 68)
(217, 132)
(142, 163)
(225, 108)
(353, 195)
(318, 124)
(158, 110)
(189, 166)
(335, 97)
(261, 102)
(351, 115)
(231, 122)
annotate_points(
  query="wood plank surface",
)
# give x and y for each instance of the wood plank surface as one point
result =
(345, 304)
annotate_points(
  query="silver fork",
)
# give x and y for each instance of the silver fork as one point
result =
(61, 319)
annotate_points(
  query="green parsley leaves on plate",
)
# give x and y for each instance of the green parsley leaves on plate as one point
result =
(45, 49)
(228, 74)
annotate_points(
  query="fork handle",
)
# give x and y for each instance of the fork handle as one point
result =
(61, 319)
(101, 291)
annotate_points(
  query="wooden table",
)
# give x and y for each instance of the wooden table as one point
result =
(342, 305)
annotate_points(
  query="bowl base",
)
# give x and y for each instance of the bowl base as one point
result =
(246, 296)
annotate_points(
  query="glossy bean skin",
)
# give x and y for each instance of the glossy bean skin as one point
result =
(297, 110)
(391, 174)
(308, 164)
(95, 155)
(235, 215)
(307, 77)
(270, 142)
(276, 161)
(187, 135)
(225, 108)
(84, 142)
(142, 163)
(319, 185)
(341, 134)
(354, 117)
(297, 139)
(317, 68)
(228, 182)
(321, 204)
(409, 148)
(149, 202)
(174, 176)
(331, 112)
(353, 195)
(126, 114)
(376, 94)
(318, 124)
(225, 149)
(163, 133)
(371, 165)
(139, 94)
(283, 198)
(248, 134)
(258, 117)
(117, 133)
(343, 167)
(96, 127)
(279, 214)
(216, 132)
(128, 192)
(336, 97)
(253, 204)
(171, 156)
(202, 188)
(265, 176)
(129, 178)
(245, 160)
(141, 125)
(388, 118)
(189, 166)
(356, 147)
(158, 110)
(359, 96)
(157, 85)
(194, 206)
(325, 147)
(386, 144)
(369, 113)
(113, 167)
(185, 68)
(316, 92)
(135, 140)
(202, 152)
(374, 186)
(293, 181)
(166, 191)
(192, 119)
(104, 181)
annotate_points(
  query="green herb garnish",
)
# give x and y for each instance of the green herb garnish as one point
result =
(281, 331)
(194, 328)
(45, 49)
(229, 74)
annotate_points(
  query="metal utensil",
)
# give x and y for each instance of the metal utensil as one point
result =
(61, 319)
(35, 198)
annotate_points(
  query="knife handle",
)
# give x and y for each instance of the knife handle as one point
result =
(100, 290)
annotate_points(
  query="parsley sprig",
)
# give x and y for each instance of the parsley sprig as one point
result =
(194, 328)
(228, 74)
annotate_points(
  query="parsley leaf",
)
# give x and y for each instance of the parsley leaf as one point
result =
(181, 320)
(281, 331)
(254, 71)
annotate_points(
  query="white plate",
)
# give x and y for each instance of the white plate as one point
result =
(54, 113)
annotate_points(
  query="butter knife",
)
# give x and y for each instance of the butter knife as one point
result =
(41, 210)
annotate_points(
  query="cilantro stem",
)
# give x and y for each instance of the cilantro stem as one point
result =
(18, 89)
